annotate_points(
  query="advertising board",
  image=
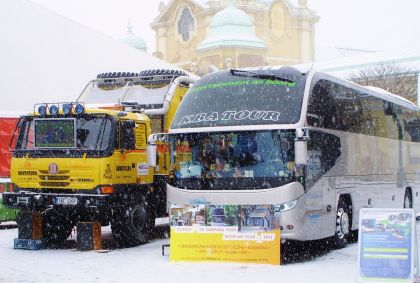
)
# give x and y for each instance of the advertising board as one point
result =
(225, 233)
(387, 248)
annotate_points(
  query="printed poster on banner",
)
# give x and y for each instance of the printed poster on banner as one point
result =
(225, 233)
(387, 250)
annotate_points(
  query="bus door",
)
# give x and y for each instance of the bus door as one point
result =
(324, 149)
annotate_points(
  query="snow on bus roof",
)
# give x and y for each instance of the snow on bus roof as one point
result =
(301, 68)
(390, 94)
(374, 91)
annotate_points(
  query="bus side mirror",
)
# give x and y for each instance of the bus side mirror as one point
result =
(152, 148)
(301, 147)
(151, 154)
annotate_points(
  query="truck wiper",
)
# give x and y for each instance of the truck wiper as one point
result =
(252, 74)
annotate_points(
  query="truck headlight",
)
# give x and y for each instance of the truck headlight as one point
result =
(285, 206)
(79, 109)
(42, 110)
(67, 108)
(53, 110)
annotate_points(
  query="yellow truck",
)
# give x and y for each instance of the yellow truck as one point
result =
(94, 160)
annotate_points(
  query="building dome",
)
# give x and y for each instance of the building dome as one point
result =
(231, 27)
(231, 16)
(134, 40)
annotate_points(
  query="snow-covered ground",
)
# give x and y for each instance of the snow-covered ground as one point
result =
(146, 264)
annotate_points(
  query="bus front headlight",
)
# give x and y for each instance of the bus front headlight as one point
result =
(286, 206)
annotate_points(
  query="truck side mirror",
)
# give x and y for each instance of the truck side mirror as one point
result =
(301, 146)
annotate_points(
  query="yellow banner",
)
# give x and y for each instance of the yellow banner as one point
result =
(224, 244)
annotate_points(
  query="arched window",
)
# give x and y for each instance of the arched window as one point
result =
(186, 24)
(277, 19)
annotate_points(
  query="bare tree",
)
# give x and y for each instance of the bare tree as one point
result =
(393, 78)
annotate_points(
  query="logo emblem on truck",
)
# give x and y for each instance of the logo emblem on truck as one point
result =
(53, 168)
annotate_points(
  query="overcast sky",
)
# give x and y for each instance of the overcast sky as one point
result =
(380, 25)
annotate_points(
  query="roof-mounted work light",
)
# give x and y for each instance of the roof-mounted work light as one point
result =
(42, 110)
(53, 110)
(79, 109)
(67, 109)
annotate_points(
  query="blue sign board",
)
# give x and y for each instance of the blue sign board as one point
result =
(386, 245)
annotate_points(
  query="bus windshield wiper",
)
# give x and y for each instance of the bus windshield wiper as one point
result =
(252, 74)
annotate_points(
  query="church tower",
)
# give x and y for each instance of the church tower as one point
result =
(206, 35)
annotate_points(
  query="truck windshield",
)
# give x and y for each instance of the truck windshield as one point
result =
(238, 98)
(232, 160)
(88, 132)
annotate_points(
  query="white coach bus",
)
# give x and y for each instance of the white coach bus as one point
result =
(317, 147)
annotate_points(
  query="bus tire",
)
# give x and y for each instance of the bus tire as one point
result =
(343, 224)
(57, 226)
(131, 224)
(408, 199)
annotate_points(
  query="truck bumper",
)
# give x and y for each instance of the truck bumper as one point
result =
(33, 200)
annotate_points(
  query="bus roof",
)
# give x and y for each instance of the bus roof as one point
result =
(374, 91)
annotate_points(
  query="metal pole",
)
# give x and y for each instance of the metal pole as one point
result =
(418, 89)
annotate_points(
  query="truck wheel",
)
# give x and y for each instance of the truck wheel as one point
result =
(112, 75)
(154, 72)
(131, 225)
(56, 226)
(343, 224)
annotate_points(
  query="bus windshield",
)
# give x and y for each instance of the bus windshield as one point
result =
(239, 98)
(232, 160)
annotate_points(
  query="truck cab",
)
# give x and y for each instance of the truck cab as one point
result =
(92, 160)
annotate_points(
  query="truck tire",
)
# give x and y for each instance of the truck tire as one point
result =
(112, 75)
(154, 72)
(144, 73)
(56, 226)
(131, 224)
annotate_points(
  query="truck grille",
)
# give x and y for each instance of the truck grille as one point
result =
(53, 178)
(50, 181)
(55, 184)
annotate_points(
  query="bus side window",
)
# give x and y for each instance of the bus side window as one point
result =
(323, 151)
(319, 104)
(412, 125)
(348, 109)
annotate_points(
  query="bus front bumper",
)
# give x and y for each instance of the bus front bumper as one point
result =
(290, 221)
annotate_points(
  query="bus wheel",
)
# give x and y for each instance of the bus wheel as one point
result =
(408, 199)
(343, 224)
(130, 225)
(56, 226)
